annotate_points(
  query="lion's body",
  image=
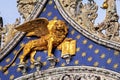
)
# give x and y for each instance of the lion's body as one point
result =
(57, 32)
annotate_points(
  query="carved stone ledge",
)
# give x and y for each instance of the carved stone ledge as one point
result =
(52, 61)
(73, 73)
(38, 65)
(67, 57)
(23, 68)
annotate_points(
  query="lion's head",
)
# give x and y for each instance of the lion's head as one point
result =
(58, 27)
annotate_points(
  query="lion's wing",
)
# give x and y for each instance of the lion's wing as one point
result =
(38, 26)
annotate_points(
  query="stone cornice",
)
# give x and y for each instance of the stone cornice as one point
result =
(73, 73)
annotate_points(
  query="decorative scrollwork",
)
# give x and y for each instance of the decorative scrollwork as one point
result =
(84, 14)
(66, 77)
(25, 7)
(110, 24)
(8, 32)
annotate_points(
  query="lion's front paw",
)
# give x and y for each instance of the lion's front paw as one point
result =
(32, 61)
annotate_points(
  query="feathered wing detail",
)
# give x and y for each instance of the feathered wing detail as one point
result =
(36, 27)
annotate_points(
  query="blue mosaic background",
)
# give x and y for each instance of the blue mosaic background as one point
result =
(88, 52)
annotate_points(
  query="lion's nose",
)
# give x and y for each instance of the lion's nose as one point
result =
(60, 27)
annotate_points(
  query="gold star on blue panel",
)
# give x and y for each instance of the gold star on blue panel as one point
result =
(88, 53)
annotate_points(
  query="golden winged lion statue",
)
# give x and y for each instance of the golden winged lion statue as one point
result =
(51, 34)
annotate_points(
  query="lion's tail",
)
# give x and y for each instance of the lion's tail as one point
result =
(7, 66)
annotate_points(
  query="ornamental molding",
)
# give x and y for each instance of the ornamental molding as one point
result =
(82, 16)
(25, 7)
(19, 35)
(72, 73)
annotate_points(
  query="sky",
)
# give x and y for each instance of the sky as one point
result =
(9, 12)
